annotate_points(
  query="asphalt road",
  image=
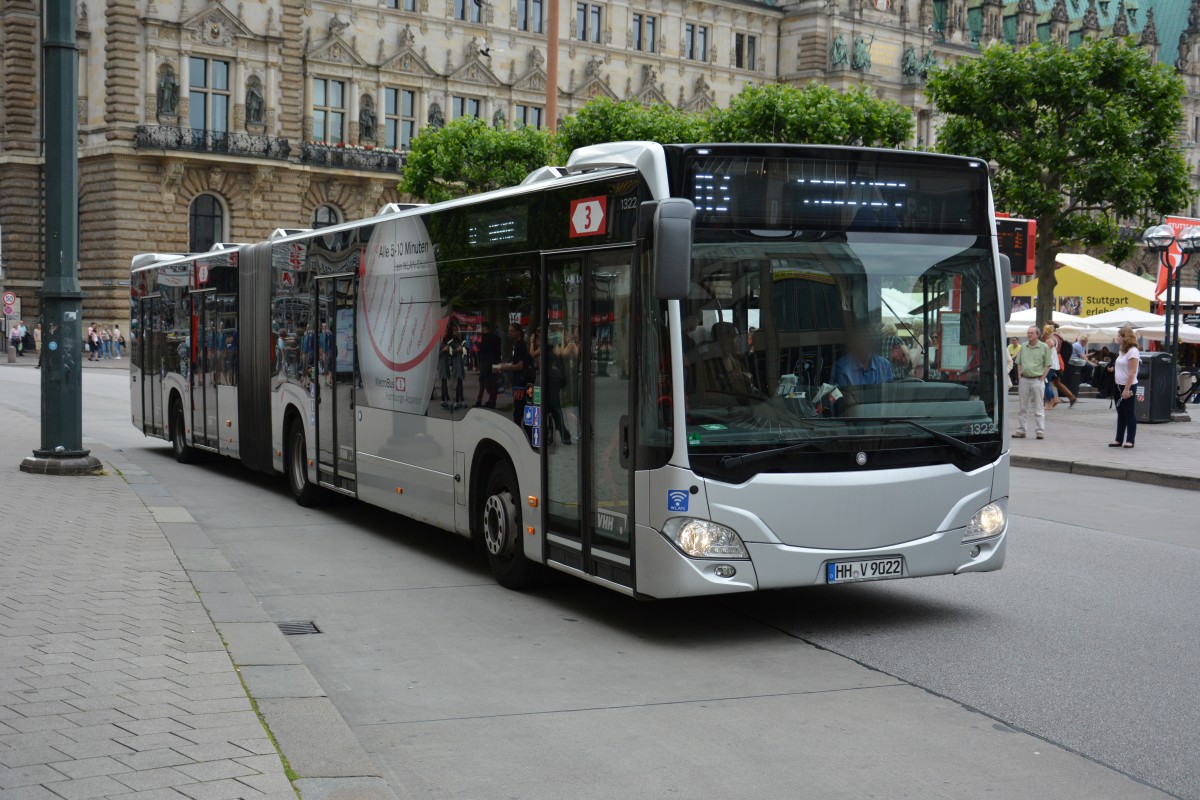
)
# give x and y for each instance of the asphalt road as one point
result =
(1087, 639)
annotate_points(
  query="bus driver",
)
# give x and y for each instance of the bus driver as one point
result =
(860, 366)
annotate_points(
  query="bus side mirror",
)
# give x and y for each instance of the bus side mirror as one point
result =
(674, 220)
(1006, 283)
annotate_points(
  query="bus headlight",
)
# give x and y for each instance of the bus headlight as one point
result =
(700, 538)
(988, 521)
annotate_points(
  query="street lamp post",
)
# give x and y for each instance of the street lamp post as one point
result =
(1159, 239)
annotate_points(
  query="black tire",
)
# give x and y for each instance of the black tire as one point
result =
(501, 532)
(296, 467)
(184, 452)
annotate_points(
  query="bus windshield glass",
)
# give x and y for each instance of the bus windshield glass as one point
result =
(838, 343)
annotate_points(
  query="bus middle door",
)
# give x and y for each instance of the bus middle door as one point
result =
(586, 391)
(333, 376)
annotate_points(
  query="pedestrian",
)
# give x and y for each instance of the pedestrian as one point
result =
(1034, 360)
(118, 341)
(14, 339)
(105, 343)
(26, 339)
(1125, 374)
(522, 367)
(1014, 344)
(1055, 343)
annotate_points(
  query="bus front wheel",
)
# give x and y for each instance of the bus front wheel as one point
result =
(302, 488)
(500, 527)
(184, 452)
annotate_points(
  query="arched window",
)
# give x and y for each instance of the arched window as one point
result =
(324, 216)
(206, 223)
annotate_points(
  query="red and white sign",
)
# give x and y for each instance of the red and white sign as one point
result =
(1174, 256)
(589, 217)
(9, 298)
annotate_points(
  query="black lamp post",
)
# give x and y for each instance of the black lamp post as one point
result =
(1158, 240)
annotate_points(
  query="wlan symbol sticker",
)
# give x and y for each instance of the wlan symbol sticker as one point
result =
(677, 500)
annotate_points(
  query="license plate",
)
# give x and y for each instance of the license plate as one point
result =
(875, 569)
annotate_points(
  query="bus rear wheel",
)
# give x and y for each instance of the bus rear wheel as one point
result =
(296, 465)
(500, 529)
(184, 452)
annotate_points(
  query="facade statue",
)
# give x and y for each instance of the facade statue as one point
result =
(498, 119)
(436, 120)
(366, 119)
(910, 65)
(928, 63)
(862, 54)
(254, 105)
(168, 93)
(838, 54)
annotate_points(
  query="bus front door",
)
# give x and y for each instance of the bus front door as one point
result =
(586, 389)
(334, 380)
(150, 342)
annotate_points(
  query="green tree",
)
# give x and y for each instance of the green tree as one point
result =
(468, 156)
(605, 120)
(815, 114)
(1082, 139)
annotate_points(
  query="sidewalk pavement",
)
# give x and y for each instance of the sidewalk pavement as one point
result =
(124, 676)
(1166, 454)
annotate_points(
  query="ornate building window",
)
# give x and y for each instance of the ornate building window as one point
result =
(324, 216)
(745, 51)
(530, 16)
(329, 110)
(206, 223)
(645, 33)
(695, 42)
(473, 8)
(400, 118)
(589, 20)
(208, 87)
(407, 5)
(465, 107)
(529, 116)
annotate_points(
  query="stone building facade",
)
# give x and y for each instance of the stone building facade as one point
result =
(223, 120)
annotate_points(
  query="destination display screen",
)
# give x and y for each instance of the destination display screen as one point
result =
(850, 194)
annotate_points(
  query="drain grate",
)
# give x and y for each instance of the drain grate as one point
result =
(298, 628)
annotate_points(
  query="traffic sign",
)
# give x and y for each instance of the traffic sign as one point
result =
(10, 298)
(589, 217)
(8, 309)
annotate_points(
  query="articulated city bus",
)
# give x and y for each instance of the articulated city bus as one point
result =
(669, 370)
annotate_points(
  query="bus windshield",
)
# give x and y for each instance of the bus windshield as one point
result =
(838, 343)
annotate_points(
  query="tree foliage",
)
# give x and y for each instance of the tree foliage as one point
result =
(1082, 139)
(816, 114)
(605, 120)
(468, 156)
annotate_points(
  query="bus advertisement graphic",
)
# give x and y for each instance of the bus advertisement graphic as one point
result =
(401, 316)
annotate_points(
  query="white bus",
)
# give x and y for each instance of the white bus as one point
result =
(721, 367)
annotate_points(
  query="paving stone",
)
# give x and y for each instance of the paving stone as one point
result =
(35, 792)
(28, 775)
(225, 733)
(160, 778)
(154, 759)
(51, 722)
(89, 767)
(261, 746)
(144, 727)
(101, 716)
(33, 755)
(221, 790)
(94, 748)
(151, 741)
(269, 783)
(212, 751)
(84, 788)
(216, 770)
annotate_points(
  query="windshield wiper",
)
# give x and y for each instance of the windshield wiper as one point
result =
(747, 458)
(966, 447)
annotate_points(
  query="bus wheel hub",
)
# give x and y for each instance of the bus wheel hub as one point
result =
(499, 522)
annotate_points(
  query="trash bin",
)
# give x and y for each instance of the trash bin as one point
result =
(1154, 378)
(1073, 375)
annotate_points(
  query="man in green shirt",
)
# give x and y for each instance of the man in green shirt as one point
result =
(1034, 361)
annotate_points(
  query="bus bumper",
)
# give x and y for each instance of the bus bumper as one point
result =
(664, 572)
(780, 566)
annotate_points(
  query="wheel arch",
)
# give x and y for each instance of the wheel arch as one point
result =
(488, 453)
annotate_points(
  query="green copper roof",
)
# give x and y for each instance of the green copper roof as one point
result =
(1170, 19)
